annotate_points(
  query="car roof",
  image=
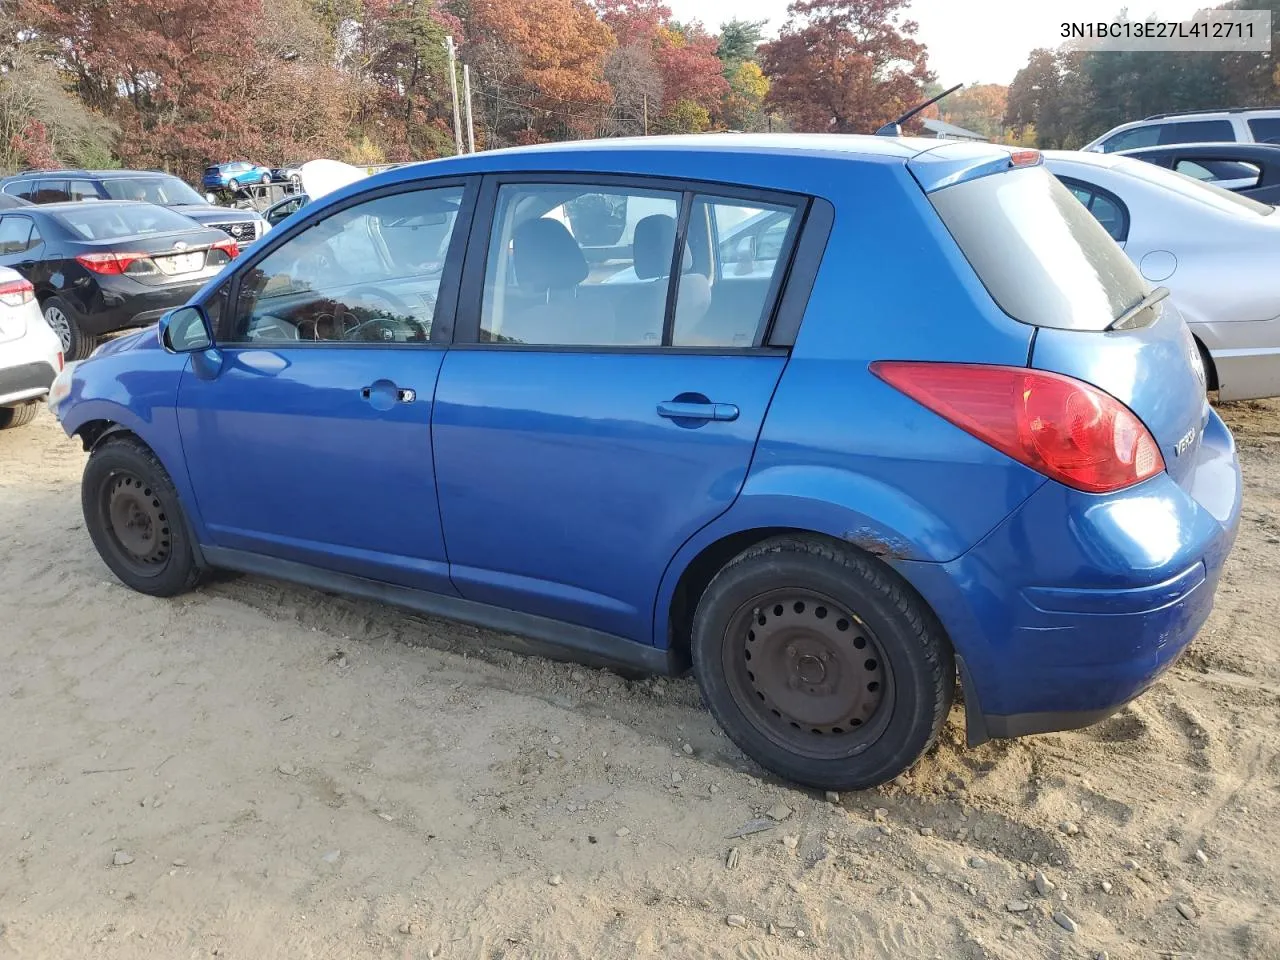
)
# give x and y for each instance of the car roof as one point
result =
(99, 174)
(1260, 150)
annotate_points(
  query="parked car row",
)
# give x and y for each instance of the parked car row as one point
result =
(241, 173)
(47, 220)
(836, 421)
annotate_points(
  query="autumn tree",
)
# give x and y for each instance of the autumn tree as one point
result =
(41, 122)
(682, 58)
(743, 107)
(539, 68)
(844, 66)
(979, 108)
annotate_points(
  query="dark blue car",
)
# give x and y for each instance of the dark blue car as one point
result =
(838, 422)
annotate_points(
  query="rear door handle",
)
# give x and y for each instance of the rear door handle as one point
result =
(677, 410)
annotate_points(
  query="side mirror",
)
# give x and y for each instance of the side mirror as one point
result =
(185, 330)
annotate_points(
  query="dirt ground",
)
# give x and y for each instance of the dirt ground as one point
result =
(257, 770)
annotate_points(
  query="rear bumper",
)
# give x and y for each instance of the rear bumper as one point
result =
(27, 381)
(1077, 603)
(118, 303)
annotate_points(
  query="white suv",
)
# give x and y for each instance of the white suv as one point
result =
(30, 353)
(1198, 126)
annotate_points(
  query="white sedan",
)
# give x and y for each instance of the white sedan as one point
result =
(1216, 251)
(30, 353)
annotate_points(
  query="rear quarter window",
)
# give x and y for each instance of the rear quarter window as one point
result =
(1265, 129)
(1198, 131)
(1042, 256)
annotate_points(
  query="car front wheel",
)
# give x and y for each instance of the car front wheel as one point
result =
(233, 184)
(134, 518)
(821, 664)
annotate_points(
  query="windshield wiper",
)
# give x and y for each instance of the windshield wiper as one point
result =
(1126, 319)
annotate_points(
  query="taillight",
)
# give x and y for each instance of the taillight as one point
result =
(62, 361)
(109, 263)
(14, 293)
(227, 246)
(1066, 429)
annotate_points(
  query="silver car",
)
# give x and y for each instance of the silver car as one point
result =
(1216, 251)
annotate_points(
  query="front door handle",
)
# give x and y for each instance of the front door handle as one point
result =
(383, 394)
(682, 410)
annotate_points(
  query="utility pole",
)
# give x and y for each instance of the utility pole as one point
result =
(453, 89)
(466, 99)
(646, 114)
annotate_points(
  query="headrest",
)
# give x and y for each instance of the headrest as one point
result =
(654, 239)
(546, 257)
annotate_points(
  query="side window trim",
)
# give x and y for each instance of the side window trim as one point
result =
(443, 322)
(1096, 191)
(471, 290)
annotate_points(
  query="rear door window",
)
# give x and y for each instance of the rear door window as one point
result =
(1197, 131)
(1044, 258)
(51, 191)
(1265, 129)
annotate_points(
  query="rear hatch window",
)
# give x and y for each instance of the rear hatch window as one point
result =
(110, 222)
(1041, 255)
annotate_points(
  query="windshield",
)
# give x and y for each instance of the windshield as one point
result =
(1222, 200)
(1041, 255)
(94, 222)
(165, 191)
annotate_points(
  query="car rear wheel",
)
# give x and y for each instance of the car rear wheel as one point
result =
(76, 344)
(18, 416)
(134, 518)
(265, 178)
(821, 664)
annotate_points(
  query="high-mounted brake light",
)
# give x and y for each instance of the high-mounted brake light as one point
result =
(1064, 428)
(14, 293)
(1024, 158)
(109, 263)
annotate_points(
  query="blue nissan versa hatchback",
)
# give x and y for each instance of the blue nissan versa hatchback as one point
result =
(832, 420)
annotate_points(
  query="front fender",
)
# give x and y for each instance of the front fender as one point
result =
(136, 389)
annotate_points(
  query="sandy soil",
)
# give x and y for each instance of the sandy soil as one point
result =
(257, 770)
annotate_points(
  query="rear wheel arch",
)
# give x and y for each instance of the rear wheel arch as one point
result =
(714, 557)
(1210, 368)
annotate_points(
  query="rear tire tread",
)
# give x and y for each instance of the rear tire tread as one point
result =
(921, 628)
(18, 416)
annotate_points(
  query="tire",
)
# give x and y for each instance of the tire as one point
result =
(265, 178)
(134, 518)
(233, 184)
(76, 344)
(821, 664)
(18, 416)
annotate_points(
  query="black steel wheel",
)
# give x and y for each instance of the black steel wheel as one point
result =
(811, 672)
(134, 518)
(821, 663)
(137, 523)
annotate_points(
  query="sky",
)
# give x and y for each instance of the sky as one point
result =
(969, 41)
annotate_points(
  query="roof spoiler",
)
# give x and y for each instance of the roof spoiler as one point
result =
(894, 127)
